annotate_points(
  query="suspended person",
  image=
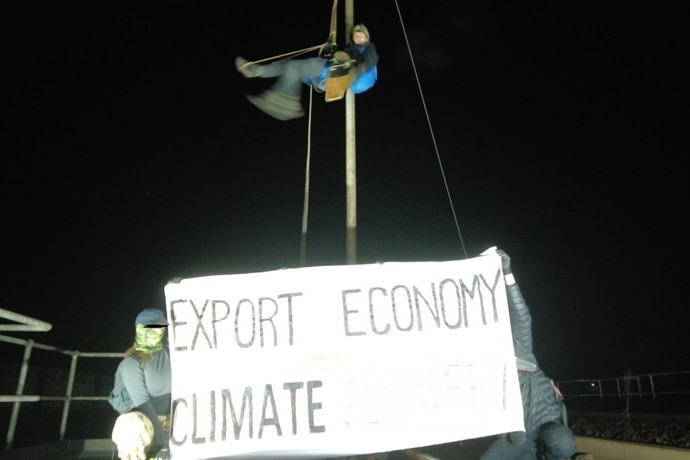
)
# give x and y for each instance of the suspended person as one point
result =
(142, 432)
(546, 435)
(283, 99)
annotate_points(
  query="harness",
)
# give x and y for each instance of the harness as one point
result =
(338, 76)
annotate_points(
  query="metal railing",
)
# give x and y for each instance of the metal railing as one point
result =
(659, 394)
(67, 398)
(23, 324)
(652, 385)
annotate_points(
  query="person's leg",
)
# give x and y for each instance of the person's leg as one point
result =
(293, 73)
(278, 105)
(502, 449)
(283, 100)
(556, 441)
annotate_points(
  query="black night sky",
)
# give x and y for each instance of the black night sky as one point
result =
(130, 156)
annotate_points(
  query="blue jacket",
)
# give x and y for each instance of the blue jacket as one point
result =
(366, 71)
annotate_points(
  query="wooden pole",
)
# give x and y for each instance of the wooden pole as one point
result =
(350, 153)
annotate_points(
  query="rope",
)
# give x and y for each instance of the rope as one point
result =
(334, 23)
(284, 55)
(331, 39)
(305, 212)
(431, 130)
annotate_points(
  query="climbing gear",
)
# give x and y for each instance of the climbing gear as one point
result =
(337, 81)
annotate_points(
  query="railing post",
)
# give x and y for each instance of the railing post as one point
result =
(68, 394)
(24, 371)
(651, 383)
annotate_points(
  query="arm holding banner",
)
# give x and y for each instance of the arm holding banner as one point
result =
(520, 319)
(545, 430)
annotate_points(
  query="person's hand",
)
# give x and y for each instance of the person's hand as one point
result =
(162, 454)
(342, 57)
(505, 261)
(328, 49)
(517, 438)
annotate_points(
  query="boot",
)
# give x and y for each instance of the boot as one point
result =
(278, 105)
(246, 68)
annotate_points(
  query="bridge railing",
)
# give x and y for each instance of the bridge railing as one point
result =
(62, 385)
(71, 388)
(658, 394)
(652, 385)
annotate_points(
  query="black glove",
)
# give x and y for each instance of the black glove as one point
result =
(505, 261)
(328, 50)
(162, 454)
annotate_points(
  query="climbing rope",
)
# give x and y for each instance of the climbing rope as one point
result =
(431, 130)
(281, 56)
(334, 23)
(331, 39)
(307, 167)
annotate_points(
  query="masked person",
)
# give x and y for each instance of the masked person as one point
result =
(546, 435)
(142, 432)
(283, 99)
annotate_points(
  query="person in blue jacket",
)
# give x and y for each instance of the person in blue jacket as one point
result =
(283, 99)
(147, 376)
(546, 435)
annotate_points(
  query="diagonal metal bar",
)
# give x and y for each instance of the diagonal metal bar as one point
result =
(25, 323)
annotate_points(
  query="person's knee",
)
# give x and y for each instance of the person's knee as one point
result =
(560, 447)
(558, 441)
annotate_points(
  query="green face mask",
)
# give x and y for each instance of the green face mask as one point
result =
(149, 339)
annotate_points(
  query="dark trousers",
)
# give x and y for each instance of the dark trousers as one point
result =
(553, 441)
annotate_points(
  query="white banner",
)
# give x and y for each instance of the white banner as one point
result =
(341, 360)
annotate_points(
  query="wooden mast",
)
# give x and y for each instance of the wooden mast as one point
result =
(350, 153)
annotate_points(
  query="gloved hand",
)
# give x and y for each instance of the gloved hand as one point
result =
(505, 261)
(342, 57)
(517, 438)
(328, 49)
(162, 454)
